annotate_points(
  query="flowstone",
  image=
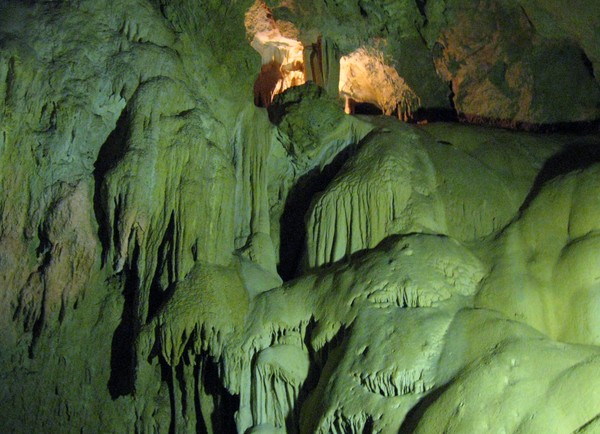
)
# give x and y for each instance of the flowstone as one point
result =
(548, 264)
(188, 245)
(388, 187)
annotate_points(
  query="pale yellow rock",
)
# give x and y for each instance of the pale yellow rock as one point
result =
(516, 388)
(388, 187)
(279, 373)
(546, 273)
(451, 275)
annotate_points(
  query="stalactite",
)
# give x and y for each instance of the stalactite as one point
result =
(341, 423)
(366, 77)
(279, 372)
(394, 383)
(254, 140)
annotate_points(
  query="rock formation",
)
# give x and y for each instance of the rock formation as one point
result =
(195, 237)
(366, 78)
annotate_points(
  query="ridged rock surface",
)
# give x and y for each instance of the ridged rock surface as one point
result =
(175, 258)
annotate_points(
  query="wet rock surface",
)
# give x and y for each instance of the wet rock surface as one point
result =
(176, 258)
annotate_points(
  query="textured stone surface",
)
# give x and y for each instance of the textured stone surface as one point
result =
(502, 69)
(174, 258)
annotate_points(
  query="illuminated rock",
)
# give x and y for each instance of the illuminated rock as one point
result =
(403, 181)
(547, 270)
(174, 258)
(388, 187)
(282, 57)
(365, 77)
(279, 373)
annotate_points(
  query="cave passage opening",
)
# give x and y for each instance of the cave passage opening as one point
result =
(367, 82)
(282, 54)
(370, 85)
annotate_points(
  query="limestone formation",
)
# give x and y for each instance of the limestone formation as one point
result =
(282, 55)
(549, 258)
(196, 237)
(501, 76)
(387, 187)
(366, 78)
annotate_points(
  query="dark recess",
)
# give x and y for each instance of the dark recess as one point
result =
(165, 260)
(577, 156)
(167, 376)
(292, 223)
(225, 404)
(200, 424)
(111, 152)
(122, 357)
(436, 114)
(582, 127)
(588, 63)
(365, 108)
(421, 4)
(363, 12)
(412, 419)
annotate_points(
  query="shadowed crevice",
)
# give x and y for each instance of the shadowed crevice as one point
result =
(435, 114)
(365, 108)
(293, 220)
(413, 417)
(164, 277)
(122, 358)
(200, 423)
(111, 152)
(225, 404)
(577, 156)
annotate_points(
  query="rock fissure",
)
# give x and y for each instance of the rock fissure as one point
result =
(195, 236)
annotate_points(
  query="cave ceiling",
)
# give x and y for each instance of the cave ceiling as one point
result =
(300, 216)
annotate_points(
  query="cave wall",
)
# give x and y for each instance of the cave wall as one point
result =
(175, 259)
